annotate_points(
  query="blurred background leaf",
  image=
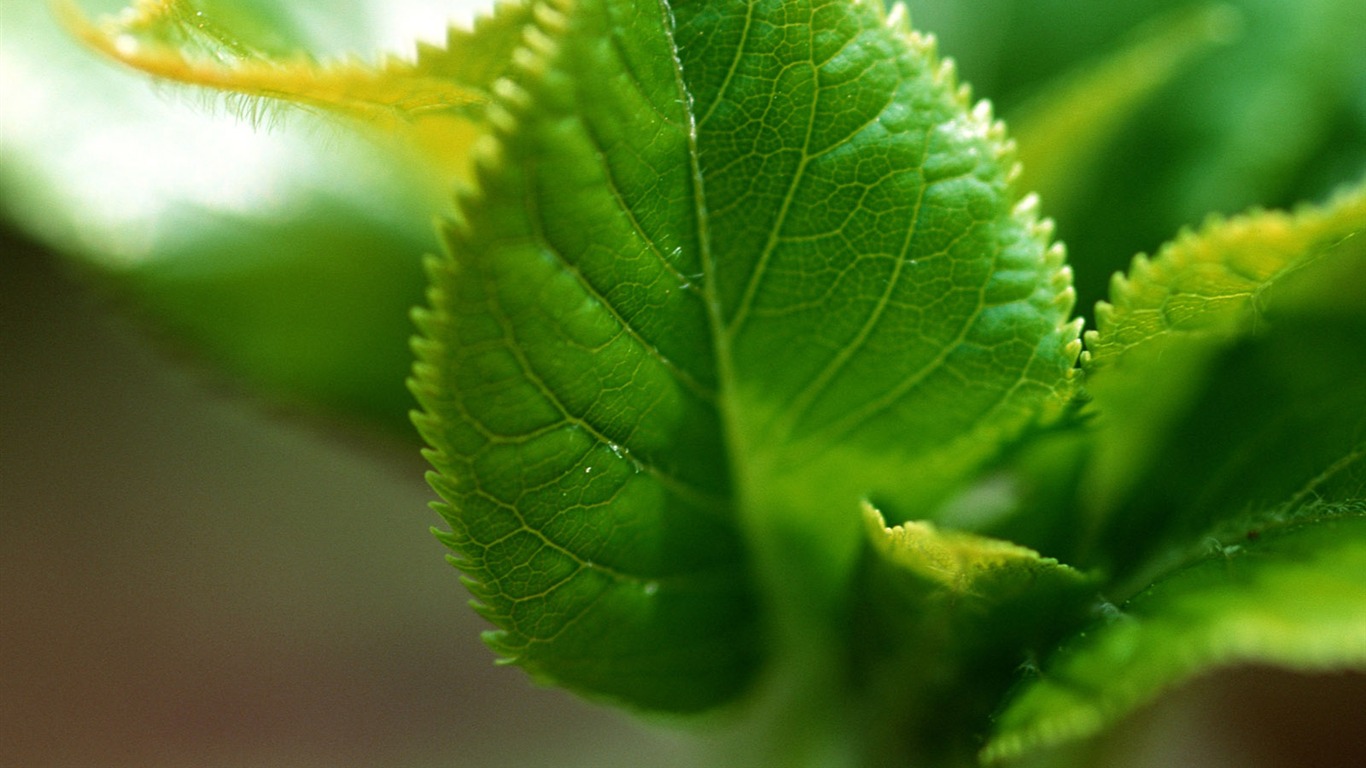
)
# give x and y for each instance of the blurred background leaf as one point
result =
(1276, 116)
(188, 582)
(285, 253)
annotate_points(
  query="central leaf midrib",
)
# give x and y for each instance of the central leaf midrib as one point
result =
(725, 330)
(720, 342)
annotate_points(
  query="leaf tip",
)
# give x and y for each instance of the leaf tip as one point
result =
(898, 17)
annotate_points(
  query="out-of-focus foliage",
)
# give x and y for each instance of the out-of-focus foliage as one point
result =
(1273, 116)
(280, 247)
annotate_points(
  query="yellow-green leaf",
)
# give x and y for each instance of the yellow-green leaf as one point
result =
(1215, 282)
(436, 99)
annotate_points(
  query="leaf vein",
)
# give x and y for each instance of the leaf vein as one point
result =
(734, 65)
(804, 399)
(679, 486)
(537, 223)
(756, 277)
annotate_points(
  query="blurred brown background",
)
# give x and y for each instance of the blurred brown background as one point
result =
(188, 578)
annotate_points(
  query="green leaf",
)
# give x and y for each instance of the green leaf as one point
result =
(730, 268)
(1273, 118)
(1219, 312)
(942, 622)
(569, 385)
(1214, 284)
(1228, 379)
(1063, 131)
(1290, 592)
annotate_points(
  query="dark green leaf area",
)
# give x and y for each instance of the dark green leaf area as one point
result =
(943, 621)
(863, 233)
(1291, 593)
(1279, 420)
(1271, 119)
(569, 383)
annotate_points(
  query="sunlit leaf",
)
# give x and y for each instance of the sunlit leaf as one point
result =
(704, 303)
(286, 258)
(436, 99)
(173, 40)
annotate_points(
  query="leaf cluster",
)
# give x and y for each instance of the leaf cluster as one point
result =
(749, 373)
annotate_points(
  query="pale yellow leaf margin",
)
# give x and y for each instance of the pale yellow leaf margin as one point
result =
(434, 101)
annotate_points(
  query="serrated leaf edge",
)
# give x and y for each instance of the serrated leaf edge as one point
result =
(1322, 226)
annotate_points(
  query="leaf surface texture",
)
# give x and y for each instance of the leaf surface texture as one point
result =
(730, 268)
(1233, 346)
